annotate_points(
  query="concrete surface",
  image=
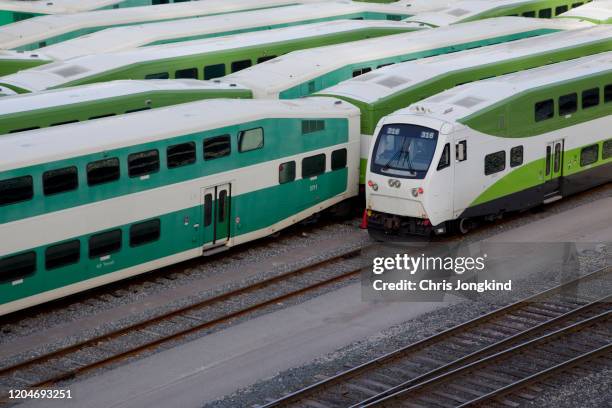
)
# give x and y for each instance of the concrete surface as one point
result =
(216, 365)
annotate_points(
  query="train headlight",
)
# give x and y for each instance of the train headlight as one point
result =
(373, 185)
(417, 192)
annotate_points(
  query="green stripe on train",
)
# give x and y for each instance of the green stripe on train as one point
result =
(531, 175)
(514, 117)
(254, 210)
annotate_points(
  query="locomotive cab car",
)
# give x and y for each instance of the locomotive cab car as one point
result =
(491, 147)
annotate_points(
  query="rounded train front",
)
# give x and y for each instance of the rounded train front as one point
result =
(405, 174)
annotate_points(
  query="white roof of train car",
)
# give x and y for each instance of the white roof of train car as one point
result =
(55, 6)
(39, 28)
(58, 73)
(599, 10)
(465, 100)
(129, 37)
(52, 144)
(267, 80)
(384, 82)
(461, 11)
(104, 90)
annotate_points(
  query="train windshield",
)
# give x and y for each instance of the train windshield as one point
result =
(404, 151)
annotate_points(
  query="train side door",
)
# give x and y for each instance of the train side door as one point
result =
(216, 207)
(553, 169)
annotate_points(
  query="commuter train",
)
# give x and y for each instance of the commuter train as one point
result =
(120, 196)
(301, 73)
(470, 10)
(491, 147)
(287, 77)
(198, 59)
(12, 11)
(21, 113)
(47, 30)
(388, 89)
(597, 12)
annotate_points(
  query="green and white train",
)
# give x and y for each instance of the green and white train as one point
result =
(133, 36)
(381, 92)
(470, 10)
(45, 31)
(597, 12)
(302, 73)
(490, 147)
(21, 113)
(120, 196)
(12, 11)
(198, 59)
(294, 75)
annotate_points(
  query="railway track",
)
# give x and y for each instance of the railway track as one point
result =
(423, 373)
(71, 361)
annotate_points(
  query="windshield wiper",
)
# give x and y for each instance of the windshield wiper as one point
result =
(398, 155)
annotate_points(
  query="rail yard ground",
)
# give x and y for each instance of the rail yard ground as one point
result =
(266, 354)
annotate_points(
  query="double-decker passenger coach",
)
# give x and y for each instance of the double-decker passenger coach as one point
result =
(491, 147)
(89, 203)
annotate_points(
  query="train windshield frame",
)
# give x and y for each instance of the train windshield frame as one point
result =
(404, 151)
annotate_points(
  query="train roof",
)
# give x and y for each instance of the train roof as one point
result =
(105, 90)
(388, 81)
(58, 73)
(465, 100)
(40, 28)
(133, 36)
(463, 11)
(55, 6)
(599, 11)
(77, 139)
(298, 67)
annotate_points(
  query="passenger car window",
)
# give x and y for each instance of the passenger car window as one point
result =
(105, 243)
(313, 166)
(16, 190)
(286, 172)
(495, 162)
(252, 139)
(216, 147)
(516, 156)
(103, 171)
(588, 155)
(143, 163)
(60, 180)
(544, 110)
